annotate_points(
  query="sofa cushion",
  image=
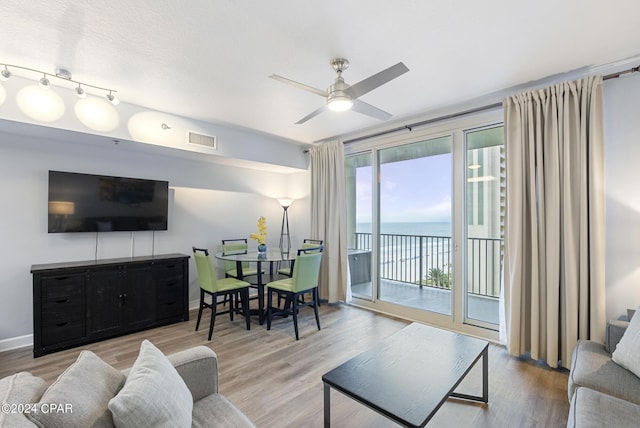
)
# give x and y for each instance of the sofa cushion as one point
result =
(592, 367)
(628, 350)
(216, 411)
(154, 394)
(86, 386)
(20, 388)
(593, 409)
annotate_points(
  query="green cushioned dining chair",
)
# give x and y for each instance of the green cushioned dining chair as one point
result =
(304, 280)
(230, 267)
(307, 243)
(214, 287)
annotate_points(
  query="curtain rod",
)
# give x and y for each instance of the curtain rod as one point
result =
(425, 122)
(476, 110)
(462, 113)
(620, 73)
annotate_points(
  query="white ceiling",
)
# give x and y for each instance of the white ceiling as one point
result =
(210, 59)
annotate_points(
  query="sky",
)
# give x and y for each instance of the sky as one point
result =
(416, 190)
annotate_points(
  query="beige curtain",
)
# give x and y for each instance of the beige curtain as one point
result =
(555, 220)
(329, 217)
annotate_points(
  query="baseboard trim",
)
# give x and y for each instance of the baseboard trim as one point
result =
(16, 342)
(27, 340)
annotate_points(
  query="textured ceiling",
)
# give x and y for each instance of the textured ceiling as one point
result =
(210, 59)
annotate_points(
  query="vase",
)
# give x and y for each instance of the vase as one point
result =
(262, 248)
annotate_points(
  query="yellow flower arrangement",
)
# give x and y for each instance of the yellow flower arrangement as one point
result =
(261, 236)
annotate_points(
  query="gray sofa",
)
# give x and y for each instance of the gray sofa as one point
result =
(601, 392)
(198, 368)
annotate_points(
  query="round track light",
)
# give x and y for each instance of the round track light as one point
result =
(80, 92)
(5, 74)
(44, 82)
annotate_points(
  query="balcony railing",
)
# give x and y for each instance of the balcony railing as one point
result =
(427, 261)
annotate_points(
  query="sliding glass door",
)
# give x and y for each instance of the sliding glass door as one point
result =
(359, 177)
(425, 223)
(415, 258)
(486, 185)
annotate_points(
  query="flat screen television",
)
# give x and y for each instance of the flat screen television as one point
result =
(99, 203)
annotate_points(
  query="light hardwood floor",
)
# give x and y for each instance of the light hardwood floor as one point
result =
(276, 381)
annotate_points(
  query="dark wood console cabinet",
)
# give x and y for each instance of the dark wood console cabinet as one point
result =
(81, 302)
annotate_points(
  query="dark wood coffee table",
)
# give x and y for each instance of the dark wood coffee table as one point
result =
(408, 376)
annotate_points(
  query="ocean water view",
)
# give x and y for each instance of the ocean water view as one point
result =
(422, 253)
(409, 228)
(408, 251)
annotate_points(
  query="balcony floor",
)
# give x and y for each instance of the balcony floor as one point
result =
(430, 299)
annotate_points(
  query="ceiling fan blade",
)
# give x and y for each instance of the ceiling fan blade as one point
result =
(312, 115)
(369, 110)
(370, 83)
(300, 85)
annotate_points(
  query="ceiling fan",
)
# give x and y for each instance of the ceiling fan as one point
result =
(341, 96)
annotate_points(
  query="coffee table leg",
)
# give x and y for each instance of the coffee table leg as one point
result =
(485, 375)
(485, 380)
(327, 406)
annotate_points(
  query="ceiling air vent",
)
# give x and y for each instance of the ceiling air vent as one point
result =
(201, 140)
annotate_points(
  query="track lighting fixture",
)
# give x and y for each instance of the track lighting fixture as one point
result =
(80, 92)
(113, 99)
(44, 82)
(62, 75)
(5, 74)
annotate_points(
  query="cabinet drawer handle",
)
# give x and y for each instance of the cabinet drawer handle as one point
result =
(62, 324)
(62, 301)
(62, 278)
(171, 284)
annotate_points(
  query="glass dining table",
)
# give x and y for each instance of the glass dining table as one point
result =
(261, 279)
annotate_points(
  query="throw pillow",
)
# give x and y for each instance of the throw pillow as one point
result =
(20, 388)
(154, 394)
(627, 351)
(82, 391)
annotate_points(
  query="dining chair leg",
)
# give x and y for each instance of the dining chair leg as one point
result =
(245, 307)
(213, 314)
(315, 306)
(295, 314)
(231, 304)
(269, 303)
(200, 309)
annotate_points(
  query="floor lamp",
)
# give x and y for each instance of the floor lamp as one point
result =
(285, 239)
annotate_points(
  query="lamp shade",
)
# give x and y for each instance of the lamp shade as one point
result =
(285, 202)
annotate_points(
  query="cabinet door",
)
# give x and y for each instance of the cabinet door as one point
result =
(104, 303)
(139, 307)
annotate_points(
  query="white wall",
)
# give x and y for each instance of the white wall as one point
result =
(208, 202)
(622, 152)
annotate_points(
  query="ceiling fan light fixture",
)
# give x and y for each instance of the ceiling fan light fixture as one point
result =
(339, 103)
(341, 96)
